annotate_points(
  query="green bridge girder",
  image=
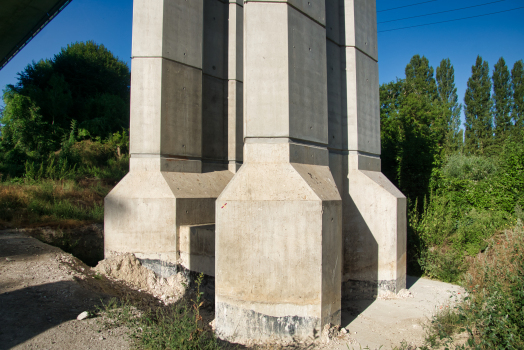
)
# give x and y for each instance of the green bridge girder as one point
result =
(21, 21)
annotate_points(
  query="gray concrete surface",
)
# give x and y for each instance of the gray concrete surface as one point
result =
(284, 95)
(374, 211)
(235, 97)
(179, 129)
(278, 222)
(197, 248)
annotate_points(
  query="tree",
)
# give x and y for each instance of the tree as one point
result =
(501, 100)
(479, 125)
(517, 84)
(412, 128)
(83, 82)
(448, 95)
(419, 77)
(391, 126)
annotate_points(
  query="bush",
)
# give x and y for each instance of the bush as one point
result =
(493, 311)
(471, 199)
(474, 168)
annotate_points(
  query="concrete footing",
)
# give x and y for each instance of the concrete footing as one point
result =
(374, 211)
(278, 253)
(197, 248)
(146, 210)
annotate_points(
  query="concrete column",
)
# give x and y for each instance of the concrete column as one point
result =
(278, 228)
(215, 86)
(172, 91)
(374, 224)
(235, 84)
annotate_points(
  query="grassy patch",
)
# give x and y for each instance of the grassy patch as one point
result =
(176, 326)
(493, 312)
(55, 203)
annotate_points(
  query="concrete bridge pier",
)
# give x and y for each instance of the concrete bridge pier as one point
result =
(178, 130)
(278, 222)
(235, 84)
(374, 210)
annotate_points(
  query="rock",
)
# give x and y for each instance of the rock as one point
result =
(83, 316)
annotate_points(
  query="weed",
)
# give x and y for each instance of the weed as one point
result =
(176, 326)
(51, 202)
(492, 313)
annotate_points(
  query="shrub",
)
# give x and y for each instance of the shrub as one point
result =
(493, 311)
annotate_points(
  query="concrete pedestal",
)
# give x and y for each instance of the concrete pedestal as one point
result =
(278, 248)
(179, 130)
(374, 211)
(278, 222)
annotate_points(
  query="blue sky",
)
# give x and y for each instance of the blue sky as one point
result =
(109, 23)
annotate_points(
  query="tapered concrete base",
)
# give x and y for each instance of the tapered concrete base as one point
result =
(144, 212)
(278, 253)
(374, 228)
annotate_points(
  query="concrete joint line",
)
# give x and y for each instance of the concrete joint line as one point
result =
(355, 47)
(280, 140)
(366, 54)
(348, 152)
(362, 153)
(239, 81)
(169, 59)
(214, 76)
(290, 5)
(215, 161)
(236, 3)
(163, 156)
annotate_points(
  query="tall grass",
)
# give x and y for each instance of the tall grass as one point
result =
(493, 312)
(175, 326)
(52, 202)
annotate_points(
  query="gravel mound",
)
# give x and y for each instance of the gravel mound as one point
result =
(127, 268)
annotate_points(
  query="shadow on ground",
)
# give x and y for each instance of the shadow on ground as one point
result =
(27, 312)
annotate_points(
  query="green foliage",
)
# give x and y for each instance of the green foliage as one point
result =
(472, 198)
(50, 202)
(479, 124)
(492, 313)
(457, 201)
(177, 326)
(84, 85)
(419, 78)
(415, 126)
(501, 100)
(24, 130)
(448, 95)
(461, 167)
(517, 84)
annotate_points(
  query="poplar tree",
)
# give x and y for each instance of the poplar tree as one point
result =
(411, 115)
(479, 125)
(448, 95)
(419, 77)
(517, 85)
(501, 100)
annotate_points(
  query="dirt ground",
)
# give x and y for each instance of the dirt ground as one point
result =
(43, 290)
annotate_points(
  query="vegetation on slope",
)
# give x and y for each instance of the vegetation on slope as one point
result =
(466, 192)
